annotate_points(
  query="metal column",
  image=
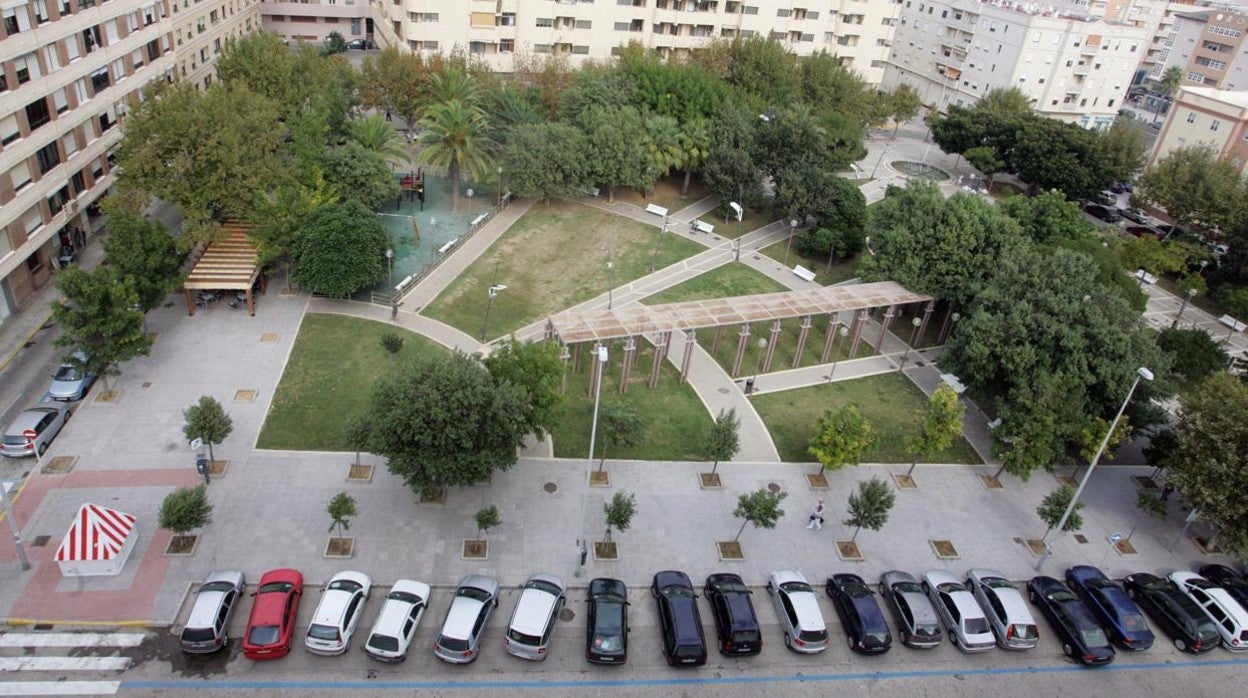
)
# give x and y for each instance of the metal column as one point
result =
(660, 350)
(859, 321)
(834, 322)
(771, 345)
(743, 338)
(884, 325)
(801, 341)
(691, 339)
(626, 366)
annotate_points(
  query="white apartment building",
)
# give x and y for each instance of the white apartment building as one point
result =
(857, 31)
(1075, 68)
(1206, 116)
(69, 72)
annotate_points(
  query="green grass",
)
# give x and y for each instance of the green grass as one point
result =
(335, 362)
(731, 279)
(890, 402)
(786, 347)
(676, 422)
(552, 258)
(840, 271)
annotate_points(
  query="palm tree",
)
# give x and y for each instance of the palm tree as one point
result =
(456, 137)
(663, 151)
(1169, 82)
(373, 133)
(695, 147)
(452, 84)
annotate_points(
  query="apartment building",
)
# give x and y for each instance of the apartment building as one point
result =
(1208, 44)
(857, 31)
(70, 70)
(1206, 116)
(1074, 67)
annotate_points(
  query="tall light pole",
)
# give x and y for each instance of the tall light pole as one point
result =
(12, 518)
(736, 208)
(1141, 373)
(881, 160)
(470, 193)
(1186, 297)
(914, 336)
(583, 544)
(390, 264)
(500, 186)
(494, 289)
(843, 331)
(762, 346)
(792, 230)
(654, 257)
(610, 276)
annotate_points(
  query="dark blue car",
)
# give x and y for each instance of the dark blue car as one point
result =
(1110, 604)
(1082, 639)
(860, 614)
(1174, 612)
(735, 622)
(679, 620)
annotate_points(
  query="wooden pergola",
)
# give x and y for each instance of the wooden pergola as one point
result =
(230, 263)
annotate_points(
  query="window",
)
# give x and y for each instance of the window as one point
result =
(783, 13)
(51, 57)
(32, 221)
(71, 48)
(1196, 78)
(20, 174)
(8, 129)
(100, 80)
(506, 45)
(1225, 31)
(48, 157)
(15, 21)
(37, 113)
(1213, 125)
(545, 22)
(26, 67)
(70, 143)
(1191, 118)
(80, 88)
(60, 99)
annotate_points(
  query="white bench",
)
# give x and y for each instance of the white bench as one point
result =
(447, 246)
(591, 191)
(1232, 323)
(656, 210)
(804, 273)
(1148, 278)
(403, 284)
(477, 221)
(702, 227)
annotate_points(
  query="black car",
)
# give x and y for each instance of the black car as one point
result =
(361, 44)
(735, 622)
(1122, 187)
(606, 641)
(865, 626)
(1226, 578)
(1082, 638)
(1105, 213)
(1174, 612)
(679, 620)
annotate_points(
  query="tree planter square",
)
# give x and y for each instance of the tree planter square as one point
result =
(710, 481)
(991, 482)
(1124, 547)
(605, 550)
(1206, 545)
(1035, 545)
(218, 468)
(1068, 480)
(1144, 482)
(600, 478)
(182, 546)
(359, 472)
(476, 549)
(438, 497)
(817, 481)
(944, 549)
(848, 550)
(107, 396)
(730, 550)
(340, 547)
(59, 465)
(905, 482)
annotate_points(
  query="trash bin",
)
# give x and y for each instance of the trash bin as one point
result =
(749, 386)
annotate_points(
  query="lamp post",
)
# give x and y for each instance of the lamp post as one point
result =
(1141, 373)
(762, 346)
(792, 230)
(881, 160)
(390, 264)
(914, 336)
(654, 257)
(843, 331)
(736, 208)
(610, 275)
(1191, 292)
(494, 290)
(12, 518)
(500, 186)
(470, 192)
(583, 544)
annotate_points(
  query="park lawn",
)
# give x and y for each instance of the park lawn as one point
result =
(666, 193)
(892, 404)
(329, 376)
(552, 258)
(675, 421)
(731, 279)
(840, 271)
(786, 348)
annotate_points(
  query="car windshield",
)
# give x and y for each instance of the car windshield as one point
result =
(997, 583)
(403, 596)
(794, 587)
(1134, 623)
(1093, 637)
(856, 590)
(197, 635)
(731, 587)
(453, 644)
(877, 639)
(67, 373)
(1200, 584)
(907, 588)
(743, 637)
(262, 635)
(976, 626)
(15, 440)
(524, 639)
(927, 629)
(542, 585)
(950, 587)
(343, 585)
(1208, 632)
(675, 592)
(1099, 583)
(1060, 597)
(216, 586)
(384, 643)
(323, 632)
(273, 587)
(473, 593)
(688, 651)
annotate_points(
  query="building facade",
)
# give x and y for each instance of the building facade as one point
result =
(1076, 68)
(71, 70)
(1209, 46)
(1206, 116)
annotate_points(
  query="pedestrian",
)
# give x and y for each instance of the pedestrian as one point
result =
(816, 517)
(388, 117)
(1166, 492)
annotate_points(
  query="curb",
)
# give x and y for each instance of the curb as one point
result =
(13, 354)
(84, 623)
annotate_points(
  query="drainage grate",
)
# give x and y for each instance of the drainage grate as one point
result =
(550, 487)
(40, 541)
(147, 384)
(268, 337)
(43, 626)
(244, 396)
(773, 487)
(1081, 538)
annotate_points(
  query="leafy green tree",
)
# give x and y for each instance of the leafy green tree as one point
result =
(761, 508)
(455, 138)
(298, 81)
(375, 135)
(453, 84)
(843, 208)
(545, 160)
(143, 251)
(100, 316)
(791, 146)
(444, 421)
(831, 87)
(1153, 256)
(1124, 149)
(340, 249)
(396, 81)
(1235, 300)
(185, 509)
(730, 173)
(725, 438)
(842, 139)
(486, 519)
(842, 437)
(535, 367)
(391, 342)
(356, 173)
(507, 107)
(987, 161)
(1035, 428)
(594, 88)
(905, 104)
(1170, 80)
(764, 70)
(663, 147)
(618, 143)
(684, 91)
(1195, 187)
(334, 43)
(207, 420)
(341, 510)
(1048, 217)
(1054, 505)
(695, 148)
(869, 505)
(621, 425)
(1063, 156)
(1195, 354)
(619, 512)
(942, 425)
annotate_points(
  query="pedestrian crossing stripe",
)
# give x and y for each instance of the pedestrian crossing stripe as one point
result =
(60, 688)
(64, 663)
(72, 639)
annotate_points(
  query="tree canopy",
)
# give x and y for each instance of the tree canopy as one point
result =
(545, 160)
(536, 368)
(141, 250)
(100, 316)
(1196, 188)
(340, 249)
(355, 172)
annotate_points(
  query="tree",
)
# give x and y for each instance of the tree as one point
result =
(842, 437)
(725, 438)
(619, 512)
(1053, 506)
(695, 148)
(1195, 354)
(664, 151)
(185, 509)
(1062, 156)
(455, 137)
(1049, 218)
(391, 342)
(905, 103)
(334, 43)
(341, 510)
(394, 80)
(486, 519)
(621, 426)
(1196, 187)
(941, 425)
(986, 160)
(545, 160)
(340, 249)
(1125, 149)
(537, 369)
(356, 173)
(790, 145)
(1209, 462)
(761, 508)
(375, 135)
(207, 420)
(833, 88)
(444, 421)
(843, 210)
(764, 70)
(143, 251)
(100, 317)
(618, 143)
(730, 173)
(869, 505)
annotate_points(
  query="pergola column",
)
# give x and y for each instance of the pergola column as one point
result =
(660, 350)
(719, 333)
(667, 343)
(771, 345)
(927, 316)
(564, 356)
(859, 321)
(801, 341)
(946, 325)
(888, 320)
(576, 356)
(594, 367)
(834, 320)
(626, 366)
(691, 339)
(743, 338)
(549, 331)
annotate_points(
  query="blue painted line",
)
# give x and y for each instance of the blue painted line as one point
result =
(675, 681)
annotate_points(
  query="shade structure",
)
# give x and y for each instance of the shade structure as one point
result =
(229, 263)
(98, 543)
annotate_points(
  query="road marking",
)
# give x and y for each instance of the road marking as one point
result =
(64, 663)
(71, 639)
(60, 688)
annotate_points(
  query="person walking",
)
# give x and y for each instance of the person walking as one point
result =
(816, 517)
(1166, 492)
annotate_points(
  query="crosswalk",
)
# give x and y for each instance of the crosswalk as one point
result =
(52, 661)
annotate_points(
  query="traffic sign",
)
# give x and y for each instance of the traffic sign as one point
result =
(197, 443)
(1115, 538)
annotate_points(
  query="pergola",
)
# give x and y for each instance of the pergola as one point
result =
(229, 263)
(660, 321)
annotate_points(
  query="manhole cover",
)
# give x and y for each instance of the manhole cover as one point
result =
(147, 384)
(1081, 538)
(773, 487)
(43, 626)
(725, 391)
(567, 614)
(550, 487)
(40, 541)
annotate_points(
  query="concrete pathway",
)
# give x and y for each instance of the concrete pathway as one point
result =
(697, 209)
(439, 332)
(1163, 309)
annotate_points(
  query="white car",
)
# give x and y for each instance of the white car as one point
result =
(397, 622)
(340, 609)
(968, 626)
(797, 606)
(533, 620)
(1227, 615)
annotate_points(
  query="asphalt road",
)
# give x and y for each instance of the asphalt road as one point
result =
(22, 383)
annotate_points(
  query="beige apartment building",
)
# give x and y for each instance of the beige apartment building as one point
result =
(1207, 116)
(70, 70)
(1208, 44)
(858, 31)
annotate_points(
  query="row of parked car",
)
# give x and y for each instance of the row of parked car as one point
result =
(1088, 612)
(32, 430)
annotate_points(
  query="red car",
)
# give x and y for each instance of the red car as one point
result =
(272, 621)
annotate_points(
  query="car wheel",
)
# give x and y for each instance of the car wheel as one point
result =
(788, 642)
(43, 448)
(1180, 645)
(770, 591)
(1035, 599)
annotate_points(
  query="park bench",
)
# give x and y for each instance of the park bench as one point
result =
(656, 210)
(1148, 278)
(477, 221)
(804, 273)
(700, 226)
(449, 244)
(1232, 323)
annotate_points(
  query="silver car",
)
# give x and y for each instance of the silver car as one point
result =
(460, 640)
(968, 626)
(1007, 612)
(33, 430)
(71, 383)
(205, 629)
(797, 606)
(916, 617)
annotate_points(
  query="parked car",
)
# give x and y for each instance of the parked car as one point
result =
(337, 614)
(1226, 578)
(71, 383)
(1116, 612)
(206, 629)
(33, 430)
(1141, 230)
(1106, 198)
(865, 628)
(1230, 619)
(679, 620)
(1082, 638)
(916, 618)
(533, 619)
(397, 622)
(606, 641)
(1138, 215)
(1122, 187)
(968, 626)
(475, 598)
(736, 626)
(1006, 611)
(1174, 612)
(1105, 213)
(361, 44)
(798, 609)
(273, 615)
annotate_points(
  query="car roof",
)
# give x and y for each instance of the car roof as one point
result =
(394, 611)
(268, 607)
(685, 619)
(535, 606)
(29, 418)
(461, 617)
(806, 605)
(672, 578)
(334, 602)
(740, 610)
(207, 603)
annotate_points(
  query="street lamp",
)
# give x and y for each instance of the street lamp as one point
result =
(1141, 373)
(494, 290)
(12, 518)
(470, 192)
(654, 257)
(1191, 292)
(390, 264)
(736, 208)
(500, 186)
(582, 544)
(792, 230)
(914, 336)
(843, 331)
(762, 346)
